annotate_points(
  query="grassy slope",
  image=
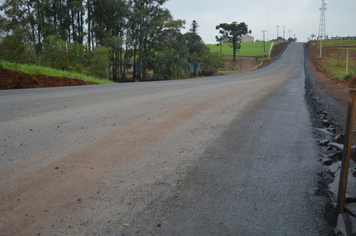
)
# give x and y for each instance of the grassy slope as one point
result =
(40, 70)
(247, 49)
(335, 60)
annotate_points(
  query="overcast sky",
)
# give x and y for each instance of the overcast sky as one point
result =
(300, 17)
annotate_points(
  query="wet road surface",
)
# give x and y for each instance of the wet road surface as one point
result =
(229, 155)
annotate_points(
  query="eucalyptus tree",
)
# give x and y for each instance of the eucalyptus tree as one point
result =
(108, 22)
(149, 23)
(16, 32)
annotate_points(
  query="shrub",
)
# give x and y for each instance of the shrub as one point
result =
(257, 61)
(349, 76)
(161, 69)
(100, 62)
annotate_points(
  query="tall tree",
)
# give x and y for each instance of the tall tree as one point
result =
(149, 24)
(109, 24)
(195, 27)
(195, 46)
(233, 32)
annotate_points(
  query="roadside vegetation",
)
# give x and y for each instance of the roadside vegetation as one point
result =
(103, 39)
(41, 70)
(334, 57)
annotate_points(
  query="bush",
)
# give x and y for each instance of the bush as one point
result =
(54, 53)
(161, 69)
(349, 76)
(100, 62)
(257, 61)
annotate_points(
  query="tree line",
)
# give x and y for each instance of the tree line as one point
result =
(102, 38)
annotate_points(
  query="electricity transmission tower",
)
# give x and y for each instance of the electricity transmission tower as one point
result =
(322, 27)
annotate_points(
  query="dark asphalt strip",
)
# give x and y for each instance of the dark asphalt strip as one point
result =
(258, 178)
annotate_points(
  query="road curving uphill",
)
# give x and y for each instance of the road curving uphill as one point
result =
(232, 155)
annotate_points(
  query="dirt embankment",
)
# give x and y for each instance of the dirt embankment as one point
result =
(325, 81)
(332, 94)
(323, 72)
(10, 79)
(328, 103)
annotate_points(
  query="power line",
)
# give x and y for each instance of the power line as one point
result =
(189, 5)
(214, 10)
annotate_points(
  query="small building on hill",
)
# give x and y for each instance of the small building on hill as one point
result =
(344, 38)
(247, 39)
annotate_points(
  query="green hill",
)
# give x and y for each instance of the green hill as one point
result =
(247, 49)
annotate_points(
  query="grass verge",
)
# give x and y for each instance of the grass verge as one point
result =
(40, 70)
(227, 72)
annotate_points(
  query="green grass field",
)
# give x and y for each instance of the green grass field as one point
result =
(247, 49)
(338, 43)
(334, 56)
(40, 70)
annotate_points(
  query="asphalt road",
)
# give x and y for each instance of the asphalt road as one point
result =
(229, 155)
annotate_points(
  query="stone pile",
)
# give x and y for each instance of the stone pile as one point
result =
(332, 146)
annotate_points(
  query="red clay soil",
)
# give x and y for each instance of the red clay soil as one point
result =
(10, 79)
(242, 64)
(278, 48)
(351, 83)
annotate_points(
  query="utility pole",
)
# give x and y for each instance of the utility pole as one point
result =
(268, 23)
(284, 32)
(219, 39)
(277, 32)
(347, 62)
(289, 33)
(264, 42)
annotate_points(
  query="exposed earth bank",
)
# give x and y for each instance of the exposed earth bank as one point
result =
(325, 92)
(328, 100)
(10, 79)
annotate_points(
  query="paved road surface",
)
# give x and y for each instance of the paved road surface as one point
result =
(230, 155)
